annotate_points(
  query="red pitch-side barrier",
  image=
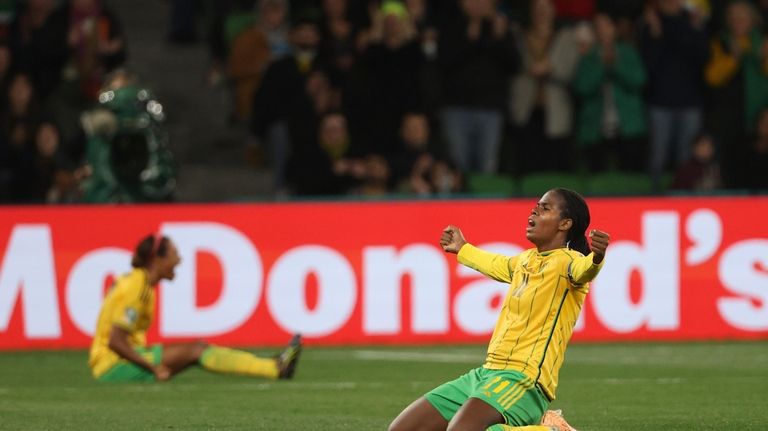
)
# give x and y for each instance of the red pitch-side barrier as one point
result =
(372, 273)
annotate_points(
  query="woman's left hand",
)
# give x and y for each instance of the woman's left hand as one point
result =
(598, 242)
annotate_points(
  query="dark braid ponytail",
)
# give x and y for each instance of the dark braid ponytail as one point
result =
(576, 209)
(150, 247)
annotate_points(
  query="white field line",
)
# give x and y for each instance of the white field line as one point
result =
(330, 386)
(267, 386)
(633, 380)
(261, 386)
(408, 356)
(689, 362)
(477, 357)
(348, 386)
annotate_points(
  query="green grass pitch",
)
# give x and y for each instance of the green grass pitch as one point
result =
(626, 387)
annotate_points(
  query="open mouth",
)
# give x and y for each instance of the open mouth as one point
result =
(531, 225)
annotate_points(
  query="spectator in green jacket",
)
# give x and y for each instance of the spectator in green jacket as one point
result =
(608, 83)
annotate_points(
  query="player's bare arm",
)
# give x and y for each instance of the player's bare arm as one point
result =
(118, 342)
(598, 243)
(451, 240)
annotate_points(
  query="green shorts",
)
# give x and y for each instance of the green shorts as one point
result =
(511, 393)
(125, 371)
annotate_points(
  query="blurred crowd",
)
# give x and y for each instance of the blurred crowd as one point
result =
(54, 57)
(413, 96)
(372, 97)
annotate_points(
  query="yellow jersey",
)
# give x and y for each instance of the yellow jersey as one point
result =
(130, 305)
(546, 293)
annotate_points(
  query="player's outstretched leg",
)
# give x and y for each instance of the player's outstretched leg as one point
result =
(419, 416)
(230, 361)
(178, 357)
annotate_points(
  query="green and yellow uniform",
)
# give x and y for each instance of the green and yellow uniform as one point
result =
(527, 349)
(130, 305)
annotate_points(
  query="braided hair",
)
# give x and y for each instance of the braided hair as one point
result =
(576, 209)
(148, 248)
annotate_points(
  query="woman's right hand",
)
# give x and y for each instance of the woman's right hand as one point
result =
(452, 239)
(162, 373)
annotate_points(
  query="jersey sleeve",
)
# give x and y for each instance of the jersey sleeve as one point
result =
(495, 266)
(583, 269)
(128, 314)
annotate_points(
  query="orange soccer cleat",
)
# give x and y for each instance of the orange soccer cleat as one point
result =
(554, 418)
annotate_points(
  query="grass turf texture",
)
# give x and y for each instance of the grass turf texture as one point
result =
(691, 386)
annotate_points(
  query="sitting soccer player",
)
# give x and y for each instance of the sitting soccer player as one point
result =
(119, 351)
(548, 284)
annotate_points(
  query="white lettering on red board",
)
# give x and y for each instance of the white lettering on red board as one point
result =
(656, 258)
(85, 285)
(337, 293)
(744, 271)
(27, 273)
(28, 276)
(242, 278)
(383, 272)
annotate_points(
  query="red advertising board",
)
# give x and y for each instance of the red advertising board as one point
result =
(372, 273)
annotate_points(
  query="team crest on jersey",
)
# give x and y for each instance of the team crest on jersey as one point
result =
(131, 315)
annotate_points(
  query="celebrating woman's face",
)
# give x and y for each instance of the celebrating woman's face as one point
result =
(169, 262)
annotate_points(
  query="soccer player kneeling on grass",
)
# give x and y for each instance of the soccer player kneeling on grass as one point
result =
(119, 350)
(548, 283)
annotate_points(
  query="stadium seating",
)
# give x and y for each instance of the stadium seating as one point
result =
(538, 184)
(618, 184)
(491, 185)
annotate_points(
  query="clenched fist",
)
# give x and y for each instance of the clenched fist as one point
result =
(452, 239)
(598, 242)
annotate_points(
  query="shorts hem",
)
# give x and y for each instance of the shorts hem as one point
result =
(436, 406)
